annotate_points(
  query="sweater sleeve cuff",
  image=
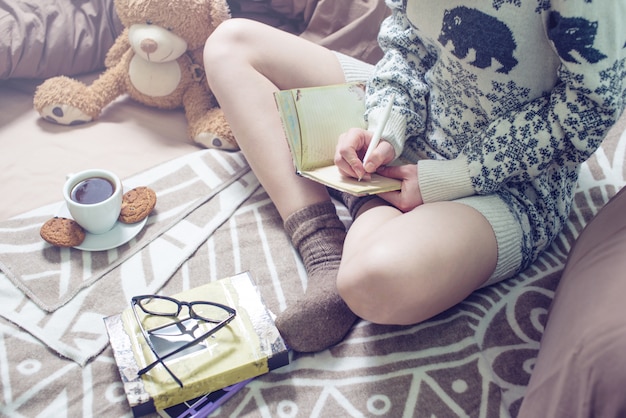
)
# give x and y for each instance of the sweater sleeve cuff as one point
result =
(441, 180)
(394, 130)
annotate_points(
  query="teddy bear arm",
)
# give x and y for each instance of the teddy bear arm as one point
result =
(67, 101)
(207, 125)
(197, 56)
(117, 50)
(110, 85)
(197, 101)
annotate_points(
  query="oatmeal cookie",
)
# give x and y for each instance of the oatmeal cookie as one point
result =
(137, 204)
(62, 232)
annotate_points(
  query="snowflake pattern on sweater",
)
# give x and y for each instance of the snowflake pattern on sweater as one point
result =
(501, 96)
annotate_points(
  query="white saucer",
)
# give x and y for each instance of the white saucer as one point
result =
(120, 234)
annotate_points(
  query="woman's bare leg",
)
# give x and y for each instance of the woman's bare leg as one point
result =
(396, 268)
(403, 268)
(246, 62)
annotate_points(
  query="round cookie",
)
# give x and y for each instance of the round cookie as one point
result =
(137, 204)
(62, 232)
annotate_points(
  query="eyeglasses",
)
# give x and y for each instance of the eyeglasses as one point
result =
(164, 306)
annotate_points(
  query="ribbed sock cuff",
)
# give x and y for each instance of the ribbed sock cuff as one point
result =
(318, 235)
(312, 217)
(351, 202)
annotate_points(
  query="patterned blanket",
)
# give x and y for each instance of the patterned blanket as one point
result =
(472, 360)
(59, 295)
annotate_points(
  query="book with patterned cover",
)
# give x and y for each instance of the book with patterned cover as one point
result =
(248, 346)
(204, 405)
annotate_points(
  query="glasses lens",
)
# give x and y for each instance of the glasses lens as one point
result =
(209, 312)
(159, 306)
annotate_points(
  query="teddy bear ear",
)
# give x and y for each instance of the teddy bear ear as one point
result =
(219, 11)
(123, 8)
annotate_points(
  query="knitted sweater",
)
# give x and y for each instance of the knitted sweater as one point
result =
(499, 93)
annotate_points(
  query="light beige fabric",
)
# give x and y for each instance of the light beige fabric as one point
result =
(36, 155)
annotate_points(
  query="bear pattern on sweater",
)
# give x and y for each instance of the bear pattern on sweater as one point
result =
(503, 97)
(469, 29)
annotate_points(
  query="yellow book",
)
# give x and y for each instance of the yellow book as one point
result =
(247, 346)
(313, 118)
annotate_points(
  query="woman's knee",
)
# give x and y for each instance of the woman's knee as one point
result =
(231, 39)
(227, 34)
(355, 286)
(369, 288)
(387, 286)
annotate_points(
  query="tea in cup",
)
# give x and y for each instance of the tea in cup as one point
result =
(94, 199)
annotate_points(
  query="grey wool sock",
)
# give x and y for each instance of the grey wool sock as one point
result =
(353, 203)
(321, 319)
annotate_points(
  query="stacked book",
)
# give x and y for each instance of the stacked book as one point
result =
(186, 354)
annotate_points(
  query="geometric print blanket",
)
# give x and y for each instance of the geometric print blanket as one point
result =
(60, 295)
(473, 360)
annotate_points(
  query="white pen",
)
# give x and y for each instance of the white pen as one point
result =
(379, 131)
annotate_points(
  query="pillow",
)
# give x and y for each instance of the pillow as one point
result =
(350, 27)
(581, 366)
(45, 38)
(288, 15)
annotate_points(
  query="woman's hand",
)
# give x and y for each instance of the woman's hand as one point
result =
(351, 149)
(349, 153)
(409, 197)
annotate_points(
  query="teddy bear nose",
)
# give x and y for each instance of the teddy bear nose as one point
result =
(148, 46)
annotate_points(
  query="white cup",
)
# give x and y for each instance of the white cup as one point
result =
(99, 216)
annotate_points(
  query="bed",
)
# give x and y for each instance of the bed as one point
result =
(213, 219)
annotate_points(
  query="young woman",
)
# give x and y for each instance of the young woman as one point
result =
(496, 104)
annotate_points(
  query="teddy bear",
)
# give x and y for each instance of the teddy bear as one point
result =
(157, 61)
